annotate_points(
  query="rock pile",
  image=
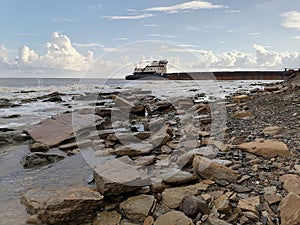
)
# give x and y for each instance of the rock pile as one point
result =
(159, 162)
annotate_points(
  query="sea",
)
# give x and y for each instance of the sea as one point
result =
(70, 172)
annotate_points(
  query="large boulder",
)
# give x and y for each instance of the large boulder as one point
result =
(266, 148)
(64, 206)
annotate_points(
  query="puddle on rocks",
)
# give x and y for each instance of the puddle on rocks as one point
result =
(15, 180)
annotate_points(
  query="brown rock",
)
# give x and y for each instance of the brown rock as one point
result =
(211, 170)
(290, 210)
(212, 220)
(137, 208)
(242, 114)
(149, 221)
(133, 149)
(222, 204)
(173, 218)
(266, 148)
(59, 128)
(291, 183)
(172, 197)
(249, 204)
(192, 205)
(272, 130)
(64, 206)
(38, 147)
(178, 177)
(108, 218)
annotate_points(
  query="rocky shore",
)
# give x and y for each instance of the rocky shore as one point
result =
(157, 162)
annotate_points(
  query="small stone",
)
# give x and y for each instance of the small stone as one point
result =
(241, 189)
(212, 220)
(39, 159)
(108, 218)
(192, 205)
(252, 216)
(244, 114)
(38, 147)
(249, 204)
(148, 221)
(272, 130)
(178, 177)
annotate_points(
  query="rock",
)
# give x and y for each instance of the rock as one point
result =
(297, 168)
(272, 130)
(75, 145)
(239, 98)
(272, 198)
(149, 221)
(160, 137)
(249, 204)
(115, 177)
(137, 208)
(133, 149)
(144, 160)
(290, 210)
(192, 205)
(244, 114)
(252, 216)
(38, 147)
(241, 189)
(39, 159)
(212, 220)
(10, 136)
(211, 170)
(108, 218)
(222, 203)
(173, 218)
(178, 177)
(204, 134)
(172, 197)
(266, 148)
(291, 183)
(53, 131)
(64, 206)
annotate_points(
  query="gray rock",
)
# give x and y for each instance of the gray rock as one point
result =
(39, 159)
(192, 205)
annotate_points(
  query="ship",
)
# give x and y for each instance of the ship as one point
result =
(157, 69)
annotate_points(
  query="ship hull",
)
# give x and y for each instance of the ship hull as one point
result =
(220, 75)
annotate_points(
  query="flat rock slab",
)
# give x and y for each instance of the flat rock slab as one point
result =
(215, 171)
(137, 208)
(59, 128)
(266, 148)
(172, 197)
(291, 183)
(63, 206)
(290, 210)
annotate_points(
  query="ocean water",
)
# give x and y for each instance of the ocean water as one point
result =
(14, 180)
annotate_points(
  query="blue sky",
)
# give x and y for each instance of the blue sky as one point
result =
(65, 38)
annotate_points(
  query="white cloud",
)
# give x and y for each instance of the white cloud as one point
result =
(235, 60)
(296, 37)
(130, 17)
(193, 5)
(291, 19)
(232, 11)
(3, 53)
(60, 55)
(161, 35)
(66, 20)
(254, 34)
(88, 45)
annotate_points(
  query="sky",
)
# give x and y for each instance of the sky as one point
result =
(75, 38)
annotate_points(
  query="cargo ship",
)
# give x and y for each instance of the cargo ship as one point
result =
(158, 70)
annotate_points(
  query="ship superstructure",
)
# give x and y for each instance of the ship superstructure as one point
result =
(156, 67)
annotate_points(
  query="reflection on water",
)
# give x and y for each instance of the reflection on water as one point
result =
(14, 180)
